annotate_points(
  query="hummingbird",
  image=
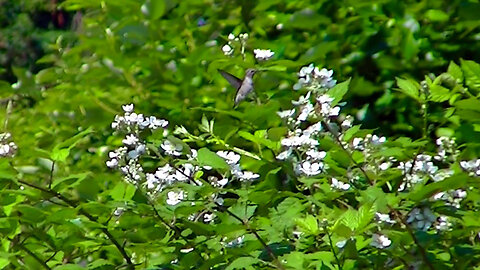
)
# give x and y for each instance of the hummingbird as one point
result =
(244, 87)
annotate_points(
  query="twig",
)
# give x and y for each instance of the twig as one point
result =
(29, 252)
(72, 204)
(244, 223)
(348, 152)
(415, 240)
(255, 233)
(331, 246)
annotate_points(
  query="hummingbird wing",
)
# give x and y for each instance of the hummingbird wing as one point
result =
(234, 81)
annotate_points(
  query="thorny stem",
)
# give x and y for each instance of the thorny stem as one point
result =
(72, 204)
(244, 223)
(29, 252)
(339, 142)
(415, 240)
(325, 227)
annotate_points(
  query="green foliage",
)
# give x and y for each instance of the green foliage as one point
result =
(213, 191)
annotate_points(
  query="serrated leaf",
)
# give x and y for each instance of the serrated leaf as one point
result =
(439, 93)
(471, 71)
(308, 224)
(409, 87)
(455, 71)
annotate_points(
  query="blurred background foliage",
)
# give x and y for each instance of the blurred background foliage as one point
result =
(163, 55)
(69, 65)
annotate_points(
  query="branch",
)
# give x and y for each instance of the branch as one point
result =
(415, 240)
(72, 204)
(331, 246)
(29, 252)
(346, 151)
(244, 223)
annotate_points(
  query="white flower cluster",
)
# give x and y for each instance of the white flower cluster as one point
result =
(384, 218)
(421, 218)
(447, 149)
(263, 55)
(232, 160)
(235, 242)
(233, 41)
(452, 197)
(312, 77)
(7, 149)
(380, 241)
(132, 122)
(420, 170)
(471, 166)
(126, 157)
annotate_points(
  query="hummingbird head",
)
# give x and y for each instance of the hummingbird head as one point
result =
(250, 72)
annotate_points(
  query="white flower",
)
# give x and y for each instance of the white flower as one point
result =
(443, 223)
(236, 242)
(112, 163)
(227, 50)
(339, 184)
(175, 198)
(263, 54)
(310, 169)
(313, 129)
(130, 139)
(229, 156)
(302, 100)
(421, 219)
(341, 244)
(316, 155)
(113, 154)
(128, 108)
(248, 176)
(380, 241)
(375, 140)
(384, 166)
(347, 123)
(231, 36)
(284, 155)
(384, 218)
(139, 150)
(172, 148)
(286, 114)
(305, 112)
(207, 218)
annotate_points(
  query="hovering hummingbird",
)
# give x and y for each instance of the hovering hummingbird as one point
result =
(244, 87)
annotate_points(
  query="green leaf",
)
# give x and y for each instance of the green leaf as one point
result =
(242, 263)
(439, 93)
(338, 91)
(60, 154)
(436, 15)
(61, 151)
(308, 224)
(69, 267)
(157, 8)
(455, 71)
(454, 182)
(409, 87)
(208, 158)
(122, 191)
(365, 216)
(471, 71)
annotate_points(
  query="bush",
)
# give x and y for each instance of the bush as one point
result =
(358, 150)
